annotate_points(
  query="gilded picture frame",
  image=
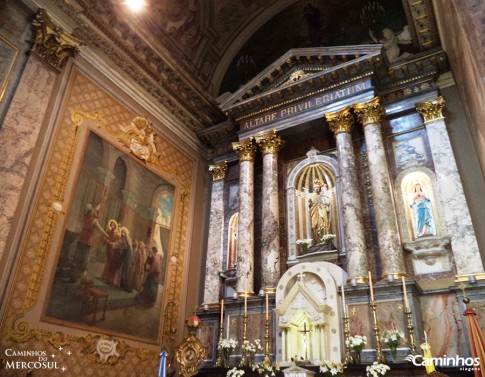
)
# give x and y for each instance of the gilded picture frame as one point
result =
(88, 111)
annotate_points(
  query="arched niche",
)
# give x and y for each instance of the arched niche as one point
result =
(297, 196)
(308, 313)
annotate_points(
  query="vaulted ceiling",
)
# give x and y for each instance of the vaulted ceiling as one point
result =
(196, 50)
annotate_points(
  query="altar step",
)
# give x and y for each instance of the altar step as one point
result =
(397, 370)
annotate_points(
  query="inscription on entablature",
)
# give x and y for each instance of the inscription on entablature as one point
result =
(306, 105)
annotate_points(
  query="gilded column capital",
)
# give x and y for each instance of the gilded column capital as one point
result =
(340, 121)
(270, 143)
(218, 171)
(431, 110)
(370, 112)
(51, 44)
(244, 149)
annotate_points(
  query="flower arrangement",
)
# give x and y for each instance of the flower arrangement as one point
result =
(356, 343)
(392, 338)
(377, 369)
(332, 369)
(234, 372)
(304, 243)
(266, 369)
(193, 322)
(251, 348)
(328, 238)
(227, 346)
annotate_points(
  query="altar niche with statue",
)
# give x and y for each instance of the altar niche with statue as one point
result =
(314, 230)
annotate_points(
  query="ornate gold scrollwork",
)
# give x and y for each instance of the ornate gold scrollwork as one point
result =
(431, 110)
(140, 140)
(340, 121)
(270, 143)
(190, 353)
(370, 112)
(51, 43)
(218, 171)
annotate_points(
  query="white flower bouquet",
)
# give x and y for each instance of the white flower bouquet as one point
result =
(304, 243)
(234, 372)
(356, 342)
(332, 369)
(377, 369)
(251, 348)
(328, 238)
(226, 347)
(228, 344)
(265, 369)
(392, 337)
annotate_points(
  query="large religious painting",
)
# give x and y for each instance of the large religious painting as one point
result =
(110, 269)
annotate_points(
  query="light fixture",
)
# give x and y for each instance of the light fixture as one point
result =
(135, 5)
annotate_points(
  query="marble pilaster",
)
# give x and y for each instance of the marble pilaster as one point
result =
(20, 131)
(215, 244)
(270, 144)
(19, 135)
(341, 123)
(457, 216)
(245, 243)
(369, 115)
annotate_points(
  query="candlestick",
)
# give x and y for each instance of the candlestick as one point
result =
(405, 292)
(222, 312)
(370, 287)
(267, 307)
(245, 304)
(343, 301)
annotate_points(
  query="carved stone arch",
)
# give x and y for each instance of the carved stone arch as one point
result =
(403, 217)
(313, 157)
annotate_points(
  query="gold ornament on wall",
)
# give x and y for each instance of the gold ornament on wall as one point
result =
(51, 44)
(140, 140)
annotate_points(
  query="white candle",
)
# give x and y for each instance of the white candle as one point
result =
(222, 312)
(425, 337)
(267, 307)
(343, 301)
(371, 289)
(405, 292)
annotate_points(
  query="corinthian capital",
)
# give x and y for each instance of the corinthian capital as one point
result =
(244, 149)
(218, 171)
(340, 121)
(431, 110)
(51, 44)
(269, 143)
(369, 112)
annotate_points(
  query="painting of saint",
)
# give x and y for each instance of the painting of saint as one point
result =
(110, 271)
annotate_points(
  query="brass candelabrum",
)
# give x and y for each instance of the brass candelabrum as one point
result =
(410, 327)
(348, 355)
(244, 359)
(267, 360)
(220, 358)
(379, 354)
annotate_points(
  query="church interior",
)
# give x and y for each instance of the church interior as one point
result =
(284, 187)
